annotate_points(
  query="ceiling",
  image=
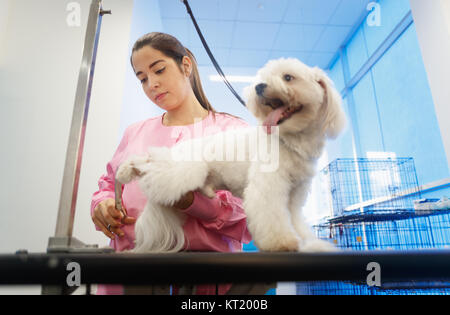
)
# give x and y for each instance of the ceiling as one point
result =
(248, 33)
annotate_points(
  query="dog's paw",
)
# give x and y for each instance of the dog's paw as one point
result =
(317, 245)
(285, 243)
(208, 191)
(126, 172)
(133, 167)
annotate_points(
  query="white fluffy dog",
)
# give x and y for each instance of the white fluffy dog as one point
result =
(298, 108)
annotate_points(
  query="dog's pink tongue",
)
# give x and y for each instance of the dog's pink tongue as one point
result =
(273, 118)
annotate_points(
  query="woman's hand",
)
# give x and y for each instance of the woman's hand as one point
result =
(185, 201)
(106, 214)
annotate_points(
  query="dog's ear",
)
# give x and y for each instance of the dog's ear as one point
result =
(134, 167)
(333, 114)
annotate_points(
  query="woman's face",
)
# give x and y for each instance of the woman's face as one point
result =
(161, 78)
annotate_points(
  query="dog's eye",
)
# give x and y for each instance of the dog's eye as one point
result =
(288, 77)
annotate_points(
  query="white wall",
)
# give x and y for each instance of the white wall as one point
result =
(432, 21)
(446, 11)
(135, 105)
(40, 57)
(4, 20)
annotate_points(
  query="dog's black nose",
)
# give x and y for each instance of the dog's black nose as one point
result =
(260, 88)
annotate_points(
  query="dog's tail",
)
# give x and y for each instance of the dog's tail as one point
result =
(159, 230)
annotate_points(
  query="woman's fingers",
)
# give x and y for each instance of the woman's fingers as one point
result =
(125, 220)
(110, 220)
(128, 220)
(112, 211)
(104, 228)
(117, 231)
(105, 221)
(109, 229)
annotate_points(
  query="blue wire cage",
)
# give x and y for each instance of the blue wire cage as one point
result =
(370, 185)
(371, 201)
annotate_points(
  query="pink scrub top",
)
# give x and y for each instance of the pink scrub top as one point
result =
(217, 224)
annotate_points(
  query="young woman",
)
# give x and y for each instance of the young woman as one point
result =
(169, 77)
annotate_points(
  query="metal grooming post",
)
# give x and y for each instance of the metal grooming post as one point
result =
(67, 203)
(63, 241)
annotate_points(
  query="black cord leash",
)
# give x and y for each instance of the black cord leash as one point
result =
(208, 51)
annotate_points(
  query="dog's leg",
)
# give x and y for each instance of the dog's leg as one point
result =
(310, 242)
(208, 189)
(298, 196)
(131, 168)
(167, 181)
(265, 203)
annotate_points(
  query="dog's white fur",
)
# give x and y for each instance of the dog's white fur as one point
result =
(272, 200)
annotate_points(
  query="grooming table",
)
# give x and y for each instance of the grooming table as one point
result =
(193, 268)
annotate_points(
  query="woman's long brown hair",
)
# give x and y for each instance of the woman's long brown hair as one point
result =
(172, 48)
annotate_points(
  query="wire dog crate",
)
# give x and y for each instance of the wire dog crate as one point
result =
(370, 185)
(392, 232)
(372, 208)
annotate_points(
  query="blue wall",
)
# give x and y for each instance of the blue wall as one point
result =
(391, 107)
